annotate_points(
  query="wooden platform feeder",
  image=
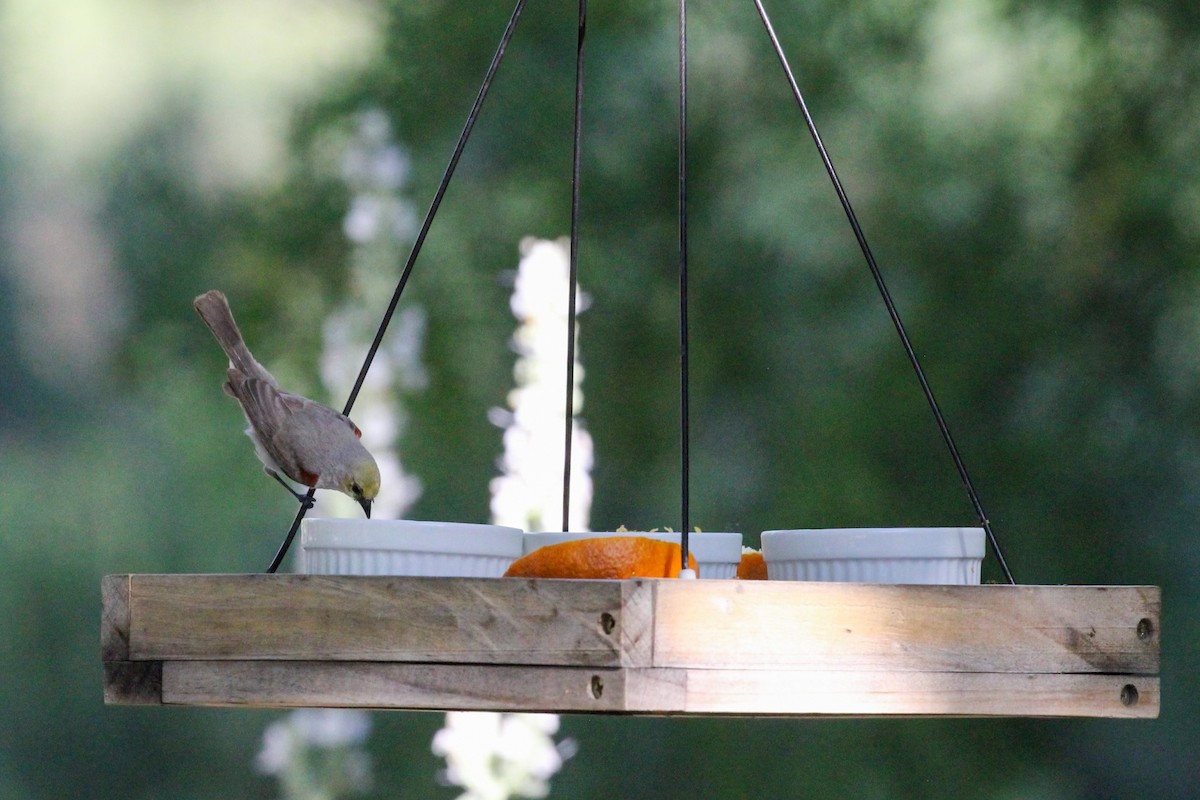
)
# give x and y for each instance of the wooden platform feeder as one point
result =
(635, 647)
(784, 648)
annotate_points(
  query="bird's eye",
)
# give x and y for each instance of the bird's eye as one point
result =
(354, 487)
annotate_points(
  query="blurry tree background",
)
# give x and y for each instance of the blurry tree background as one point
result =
(1027, 174)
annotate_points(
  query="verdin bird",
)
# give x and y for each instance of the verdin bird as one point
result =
(308, 442)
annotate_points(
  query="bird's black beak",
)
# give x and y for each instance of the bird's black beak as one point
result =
(366, 507)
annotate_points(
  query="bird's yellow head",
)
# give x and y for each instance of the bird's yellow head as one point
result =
(362, 483)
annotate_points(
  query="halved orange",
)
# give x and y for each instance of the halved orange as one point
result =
(752, 567)
(611, 557)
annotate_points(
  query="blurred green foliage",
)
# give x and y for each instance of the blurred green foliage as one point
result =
(1028, 178)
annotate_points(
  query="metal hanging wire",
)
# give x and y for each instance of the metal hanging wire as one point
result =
(943, 427)
(684, 424)
(472, 117)
(572, 278)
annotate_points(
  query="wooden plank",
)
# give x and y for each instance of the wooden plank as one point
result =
(633, 628)
(643, 647)
(838, 693)
(114, 618)
(343, 618)
(374, 684)
(133, 683)
(861, 627)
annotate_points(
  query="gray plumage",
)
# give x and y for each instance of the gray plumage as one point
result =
(310, 443)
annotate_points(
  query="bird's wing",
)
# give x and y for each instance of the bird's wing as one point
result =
(266, 407)
(312, 441)
(297, 404)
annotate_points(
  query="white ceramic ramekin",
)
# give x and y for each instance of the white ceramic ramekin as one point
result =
(407, 547)
(875, 555)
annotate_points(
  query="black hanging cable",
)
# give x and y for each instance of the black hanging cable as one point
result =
(684, 456)
(887, 298)
(574, 266)
(472, 117)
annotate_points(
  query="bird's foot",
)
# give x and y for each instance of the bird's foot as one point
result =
(306, 501)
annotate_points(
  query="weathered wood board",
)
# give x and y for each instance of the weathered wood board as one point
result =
(639, 646)
(337, 618)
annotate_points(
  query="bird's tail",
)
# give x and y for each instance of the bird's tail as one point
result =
(214, 309)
